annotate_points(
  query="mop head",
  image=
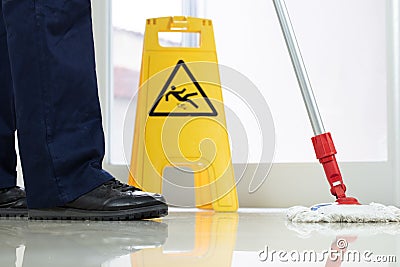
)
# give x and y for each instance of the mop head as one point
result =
(307, 230)
(334, 213)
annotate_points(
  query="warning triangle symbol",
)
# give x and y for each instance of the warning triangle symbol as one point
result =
(182, 96)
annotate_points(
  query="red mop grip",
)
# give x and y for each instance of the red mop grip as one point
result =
(325, 152)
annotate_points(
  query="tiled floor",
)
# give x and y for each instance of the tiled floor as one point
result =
(251, 237)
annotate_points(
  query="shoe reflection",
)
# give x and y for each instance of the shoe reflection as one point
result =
(44, 243)
(214, 243)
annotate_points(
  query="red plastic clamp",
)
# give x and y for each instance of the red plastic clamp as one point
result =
(325, 152)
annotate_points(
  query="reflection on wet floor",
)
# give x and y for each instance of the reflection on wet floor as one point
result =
(193, 238)
(48, 243)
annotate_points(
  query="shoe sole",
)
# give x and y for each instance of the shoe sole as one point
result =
(13, 213)
(149, 212)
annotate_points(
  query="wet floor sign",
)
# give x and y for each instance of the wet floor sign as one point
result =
(180, 117)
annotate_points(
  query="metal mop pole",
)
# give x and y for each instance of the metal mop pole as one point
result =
(299, 67)
(322, 141)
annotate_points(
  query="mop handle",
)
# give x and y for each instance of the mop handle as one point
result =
(322, 141)
(299, 67)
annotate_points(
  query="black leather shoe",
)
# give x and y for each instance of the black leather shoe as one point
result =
(112, 201)
(13, 202)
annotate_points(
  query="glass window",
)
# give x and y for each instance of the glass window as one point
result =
(128, 24)
(345, 57)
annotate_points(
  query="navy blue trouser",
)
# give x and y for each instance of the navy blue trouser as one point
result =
(48, 95)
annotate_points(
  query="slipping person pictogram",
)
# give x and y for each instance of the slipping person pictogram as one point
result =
(182, 90)
(179, 97)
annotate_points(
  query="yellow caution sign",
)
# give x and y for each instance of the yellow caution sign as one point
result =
(180, 117)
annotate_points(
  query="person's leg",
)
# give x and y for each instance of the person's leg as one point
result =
(12, 198)
(58, 115)
(8, 157)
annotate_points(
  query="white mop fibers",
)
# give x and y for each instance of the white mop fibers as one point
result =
(373, 212)
(306, 230)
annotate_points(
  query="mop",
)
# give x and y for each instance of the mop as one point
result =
(344, 209)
